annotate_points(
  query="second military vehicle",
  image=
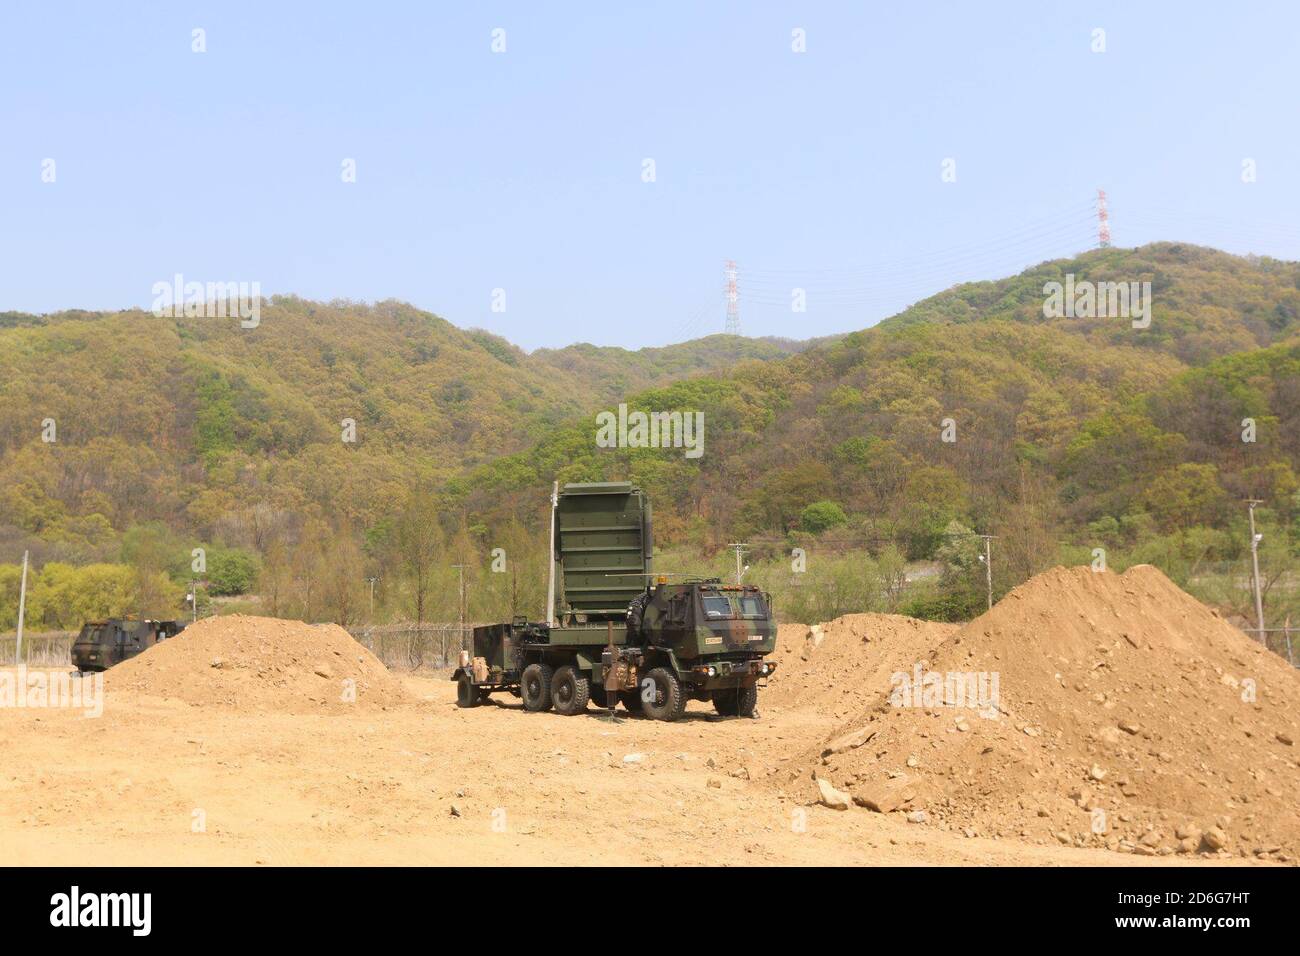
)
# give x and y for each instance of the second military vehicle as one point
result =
(101, 644)
(619, 633)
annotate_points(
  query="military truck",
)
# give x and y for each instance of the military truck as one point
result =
(101, 644)
(618, 633)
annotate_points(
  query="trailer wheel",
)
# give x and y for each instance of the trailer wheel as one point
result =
(467, 695)
(570, 691)
(535, 686)
(667, 702)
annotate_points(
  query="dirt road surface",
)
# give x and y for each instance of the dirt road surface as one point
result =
(256, 741)
(159, 782)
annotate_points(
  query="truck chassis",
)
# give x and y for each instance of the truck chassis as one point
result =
(565, 669)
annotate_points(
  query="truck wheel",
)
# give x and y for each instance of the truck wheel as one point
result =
(746, 700)
(736, 701)
(667, 702)
(535, 685)
(467, 695)
(570, 691)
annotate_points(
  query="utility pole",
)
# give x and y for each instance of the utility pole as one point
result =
(1255, 539)
(987, 559)
(739, 548)
(372, 598)
(460, 572)
(22, 609)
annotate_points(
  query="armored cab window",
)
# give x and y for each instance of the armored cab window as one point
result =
(715, 605)
(677, 609)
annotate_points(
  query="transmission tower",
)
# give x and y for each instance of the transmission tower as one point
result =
(1103, 220)
(733, 300)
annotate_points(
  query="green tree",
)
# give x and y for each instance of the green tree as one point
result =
(821, 516)
(1186, 495)
(231, 571)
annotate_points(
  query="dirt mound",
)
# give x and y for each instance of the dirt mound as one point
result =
(843, 666)
(259, 664)
(1089, 709)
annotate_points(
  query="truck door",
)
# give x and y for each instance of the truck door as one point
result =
(120, 644)
(678, 614)
(136, 638)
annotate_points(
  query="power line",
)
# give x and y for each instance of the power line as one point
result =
(1080, 213)
(893, 285)
(1076, 230)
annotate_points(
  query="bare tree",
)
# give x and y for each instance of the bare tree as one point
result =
(418, 541)
(341, 583)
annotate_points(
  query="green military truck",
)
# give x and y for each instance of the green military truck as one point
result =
(101, 644)
(615, 632)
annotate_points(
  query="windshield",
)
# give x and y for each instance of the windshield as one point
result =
(715, 605)
(733, 605)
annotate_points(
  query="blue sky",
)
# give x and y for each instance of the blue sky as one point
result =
(522, 170)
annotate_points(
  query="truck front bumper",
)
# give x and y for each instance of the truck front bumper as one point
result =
(723, 674)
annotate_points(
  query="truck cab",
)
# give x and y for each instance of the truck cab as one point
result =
(711, 637)
(699, 619)
(101, 644)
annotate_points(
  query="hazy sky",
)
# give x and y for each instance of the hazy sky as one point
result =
(524, 170)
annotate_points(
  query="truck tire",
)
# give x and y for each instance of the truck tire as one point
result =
(467, 695)
(535, 686)
(668, 701)
(736, 701)
(570, 691)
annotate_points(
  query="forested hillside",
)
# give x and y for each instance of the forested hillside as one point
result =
(193, 422)
(1066, 434)
(969, 411)
(1090, 404)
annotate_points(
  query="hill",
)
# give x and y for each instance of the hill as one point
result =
(188, 421)
(1087, 418)
(977, 408)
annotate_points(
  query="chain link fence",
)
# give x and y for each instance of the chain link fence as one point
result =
(437, 646)
(399, 646)
(411, 646)
(42, 649)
